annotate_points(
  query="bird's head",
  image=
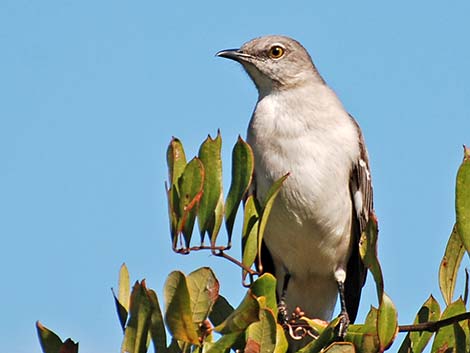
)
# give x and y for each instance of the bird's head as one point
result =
(274, 63)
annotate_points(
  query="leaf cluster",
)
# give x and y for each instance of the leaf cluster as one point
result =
(198, 319)
(195, 190)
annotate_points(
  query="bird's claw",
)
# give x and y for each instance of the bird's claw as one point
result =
(282, 314)
(343, 325)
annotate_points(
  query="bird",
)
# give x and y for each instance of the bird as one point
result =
(299, 126)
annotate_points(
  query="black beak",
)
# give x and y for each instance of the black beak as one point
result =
(233, 54)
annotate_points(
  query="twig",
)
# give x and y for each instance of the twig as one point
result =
(299, 329)
(217, 251)
(221, 253)
(433, 326)
(185, 251)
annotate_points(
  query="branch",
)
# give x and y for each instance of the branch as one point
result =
(299, 329)
(433, 326)
(218, 251)
(186, 251)
(250, 271)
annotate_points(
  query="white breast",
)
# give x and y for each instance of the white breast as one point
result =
(309, 227)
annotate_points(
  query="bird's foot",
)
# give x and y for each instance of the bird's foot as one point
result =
(293, 326)
(282, 313)
(343, 324)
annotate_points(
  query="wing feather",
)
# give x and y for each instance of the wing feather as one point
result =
(362, 199)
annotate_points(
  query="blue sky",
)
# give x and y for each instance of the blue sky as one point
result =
(93, 91)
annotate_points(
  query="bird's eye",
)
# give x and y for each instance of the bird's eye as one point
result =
(276, 52)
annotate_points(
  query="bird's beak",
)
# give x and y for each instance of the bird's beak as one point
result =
(233, 54)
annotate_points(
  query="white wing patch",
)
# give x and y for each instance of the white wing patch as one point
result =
(358, 202)
(363, 164)
(340, 275)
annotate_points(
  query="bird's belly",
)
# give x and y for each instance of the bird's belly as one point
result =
(309, 226)
(310, 253)
(308, 231)
(306, 246)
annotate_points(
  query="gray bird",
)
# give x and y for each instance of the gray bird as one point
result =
(300, 126)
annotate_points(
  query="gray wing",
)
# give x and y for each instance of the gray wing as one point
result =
(360, 186)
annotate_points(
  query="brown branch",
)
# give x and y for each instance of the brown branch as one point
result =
(433, 326)
(219, 252)
(185, 251)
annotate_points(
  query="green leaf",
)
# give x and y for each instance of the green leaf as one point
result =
(136, 332)
(265, 286)
(462, 199)
(448, 337)
(415, 342)
(387, 322)
(50, 342)
(365, 336)
(281, 340)
(203, 289)
(173, 213)
(218, 219)
(176, 160)
(178, 316)
(250, 233)
(430, 311)
(69, 346)
(246, 313)
(223, 344)
(121, 311)
(209, 154)
(190, 189)
(272, 193)
(242, 172)
(326, 337)
(450, 264)
(368, 252)
(340, 347)
(174, 347)
(461, 334)
(123, 298)
(266, 210)
(220, 311)
(261, 335)
(371, 318)
(317, 325)
(143, 322)
(124, 287)
(157, 326)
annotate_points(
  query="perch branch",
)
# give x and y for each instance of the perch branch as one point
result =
(433, 326)
(219, 252)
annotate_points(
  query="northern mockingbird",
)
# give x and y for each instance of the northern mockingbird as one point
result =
(300, 126)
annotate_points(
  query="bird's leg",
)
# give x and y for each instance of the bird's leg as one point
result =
(283, 315)
(344, 317)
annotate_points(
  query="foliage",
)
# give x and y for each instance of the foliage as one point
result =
(51, 343)
(198, 319)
